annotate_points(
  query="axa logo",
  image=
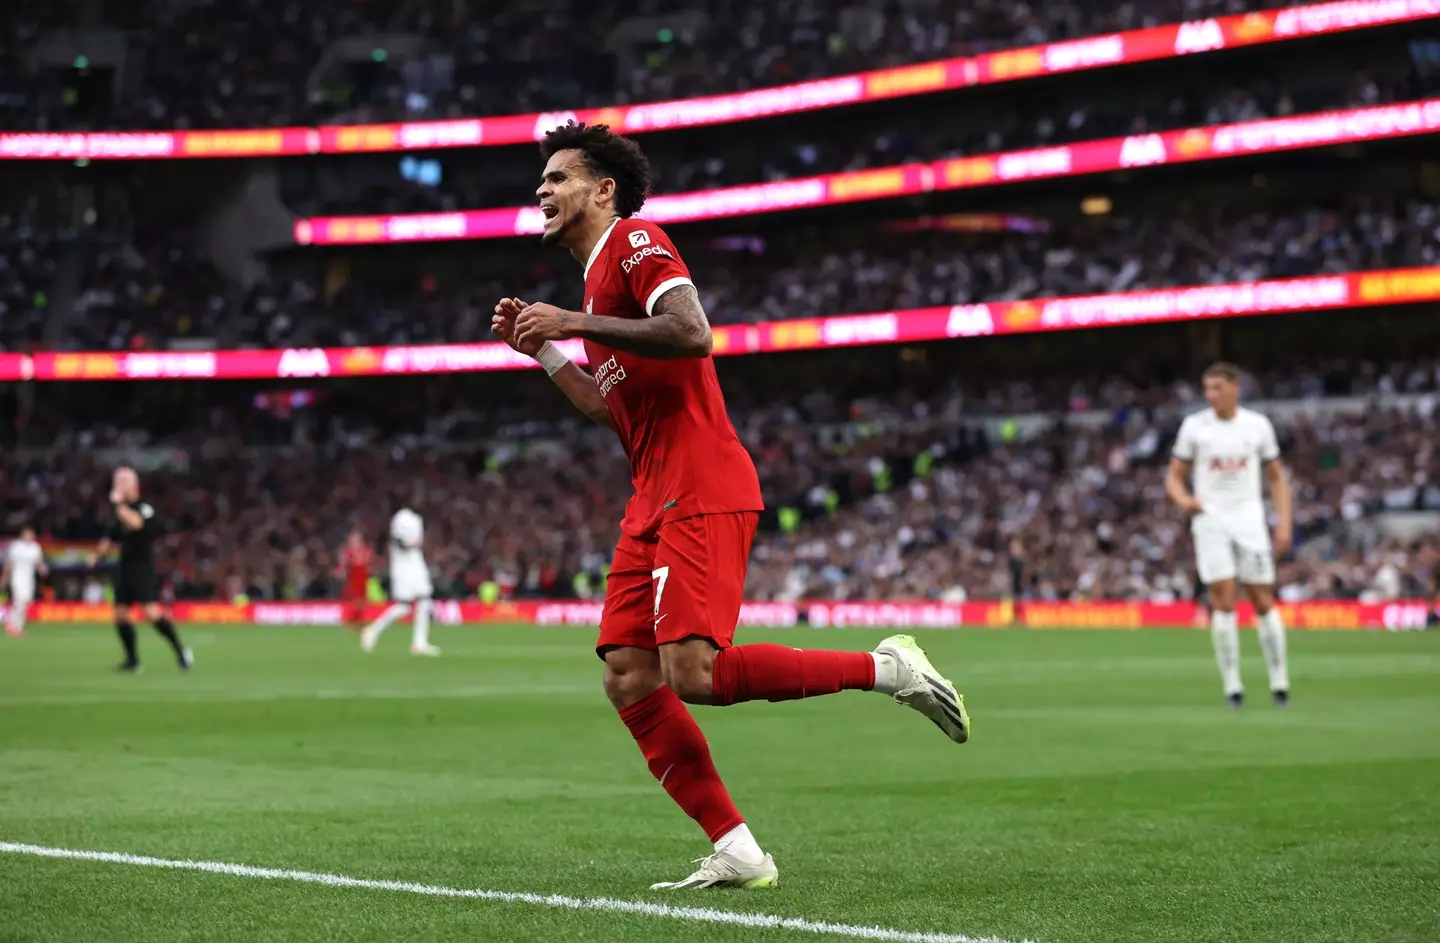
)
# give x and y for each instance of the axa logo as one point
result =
(637, 258)
(304, 362)
(1229, 464)
(969, 321)
(1142, 150)
(639, 238)
(1199, 36)
(548, 121)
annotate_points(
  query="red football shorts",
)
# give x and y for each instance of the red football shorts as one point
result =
(685, 582)
(355, 598)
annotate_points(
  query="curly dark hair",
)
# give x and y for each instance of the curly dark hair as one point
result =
(606, 154)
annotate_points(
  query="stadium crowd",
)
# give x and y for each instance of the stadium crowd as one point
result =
(256, 63)
(136, 299)
(869, 496)
(905, 133)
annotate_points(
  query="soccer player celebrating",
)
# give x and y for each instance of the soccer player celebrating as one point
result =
(674, 592)
(138, 583)
(410, 586)
(23, 560)
(1227, 446)
(356, 558)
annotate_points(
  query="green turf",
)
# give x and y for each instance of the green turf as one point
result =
(1106, 796)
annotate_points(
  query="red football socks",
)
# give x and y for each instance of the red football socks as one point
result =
(779, 673)
(679, 758)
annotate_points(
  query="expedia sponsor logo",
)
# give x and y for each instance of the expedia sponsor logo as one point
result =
(640, 256)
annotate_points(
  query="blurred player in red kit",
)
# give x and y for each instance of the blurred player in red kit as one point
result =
(678, 575)
(355, 560)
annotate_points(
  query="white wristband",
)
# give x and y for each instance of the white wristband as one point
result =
(550, 357)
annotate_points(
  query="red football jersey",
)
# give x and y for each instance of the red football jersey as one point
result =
(357, 562)
(685, 457)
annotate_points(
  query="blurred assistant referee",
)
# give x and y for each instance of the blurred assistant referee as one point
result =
(137, 585)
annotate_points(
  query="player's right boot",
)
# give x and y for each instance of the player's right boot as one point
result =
(724, 870)
(925, 689)
(368, 640)
(129, 667)
(428, 651)
(187, 659)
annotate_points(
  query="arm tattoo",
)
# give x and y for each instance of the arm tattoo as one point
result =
(676, 329)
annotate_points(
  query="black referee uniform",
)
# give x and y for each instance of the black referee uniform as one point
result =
(138, 584)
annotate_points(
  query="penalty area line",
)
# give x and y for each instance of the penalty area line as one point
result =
(557, 901)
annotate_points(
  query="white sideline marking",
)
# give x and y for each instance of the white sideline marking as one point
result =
(607, 904)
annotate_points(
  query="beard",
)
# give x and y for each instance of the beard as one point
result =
(556, 236)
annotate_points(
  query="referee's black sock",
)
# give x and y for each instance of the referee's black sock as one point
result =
(165, 627)
(126, 630)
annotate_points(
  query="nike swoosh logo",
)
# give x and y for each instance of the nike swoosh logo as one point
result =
(666, 773)
(658, 620)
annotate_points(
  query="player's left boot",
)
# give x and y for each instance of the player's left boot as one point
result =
(428, 651)
(187, 659)
(725, 870)
(925, 689)
(14, 631)
(1282, 697)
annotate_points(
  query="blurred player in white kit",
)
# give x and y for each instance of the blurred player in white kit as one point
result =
(410, 586)
(1227, 447)
(23, 561)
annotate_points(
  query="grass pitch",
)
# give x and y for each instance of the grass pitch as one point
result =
(1107, 795)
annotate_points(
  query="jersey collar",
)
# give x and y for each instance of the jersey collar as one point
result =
(599, 247)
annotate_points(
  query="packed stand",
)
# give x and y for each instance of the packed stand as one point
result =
(213, 64)
(891, 496)
(905, 133)
(29, 257)
(134, 297)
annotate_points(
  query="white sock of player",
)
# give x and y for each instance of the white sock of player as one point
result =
(1225, 635)
(420, 633)
(387, 618)
(739, 843)
(15, 620)
(1272, 643)
(887, 674)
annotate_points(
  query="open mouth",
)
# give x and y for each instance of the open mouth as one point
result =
(549, 210)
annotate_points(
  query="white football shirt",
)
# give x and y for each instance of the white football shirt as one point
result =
(407, 535)
(1226, 456)
(25, 557)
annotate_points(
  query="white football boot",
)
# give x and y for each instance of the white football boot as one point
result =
(925, 689)
(725, 870)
